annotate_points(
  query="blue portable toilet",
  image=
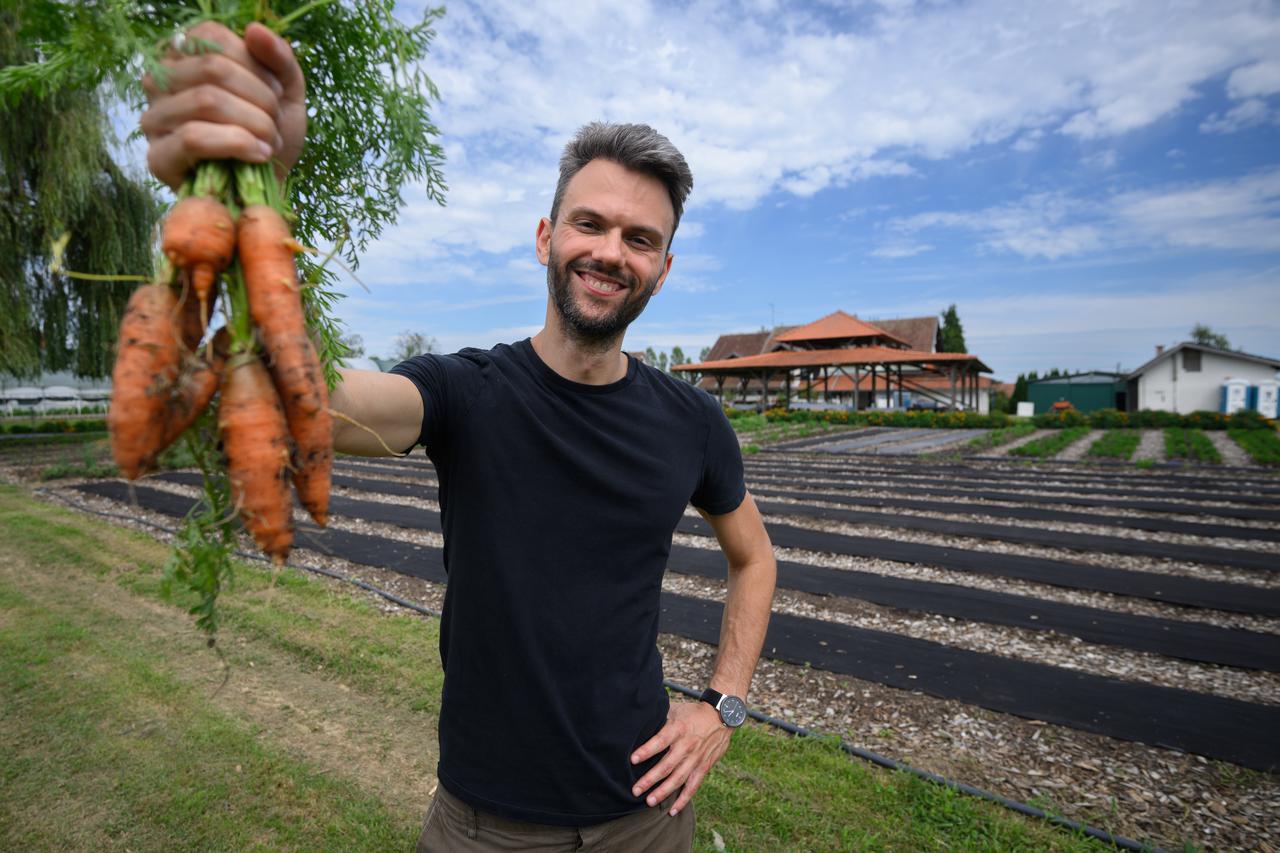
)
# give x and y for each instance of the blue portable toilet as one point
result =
(1235, 396)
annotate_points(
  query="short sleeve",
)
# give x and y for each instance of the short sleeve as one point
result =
(721, 486)
(444, 382)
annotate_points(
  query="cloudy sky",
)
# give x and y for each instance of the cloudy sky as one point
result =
(1084, 180)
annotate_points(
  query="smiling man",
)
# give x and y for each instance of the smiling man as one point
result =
(564, 467)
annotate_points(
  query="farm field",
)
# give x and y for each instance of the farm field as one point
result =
(1102, 642)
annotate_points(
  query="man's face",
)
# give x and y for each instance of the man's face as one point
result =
(606, 255)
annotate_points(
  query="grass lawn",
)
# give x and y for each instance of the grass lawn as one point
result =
(118, 732)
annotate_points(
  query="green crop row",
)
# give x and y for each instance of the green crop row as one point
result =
(51, 426)
(1051, 445)
(1101, 419)
(1115, 444)
(1190, 444)
(1263, 446)
(998, 437)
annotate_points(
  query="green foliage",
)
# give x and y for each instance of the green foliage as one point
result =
(1116, 444)
(1262, 445)
(57, 177)
(359, 61)
(1155, 419)
(999, 437)
(1248, 419)
(53, 426)
(1052, 444)
(1190, 444)
(1060, 420)
(1205, 336)
(951, 334)
(1108, 419)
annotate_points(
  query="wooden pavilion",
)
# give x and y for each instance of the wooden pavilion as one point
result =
(814, 356)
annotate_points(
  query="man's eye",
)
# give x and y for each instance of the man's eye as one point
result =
(642, 242)
(587, 225)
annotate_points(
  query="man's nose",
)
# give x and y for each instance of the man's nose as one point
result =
(609, 248)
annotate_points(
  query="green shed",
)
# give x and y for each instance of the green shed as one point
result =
(1087, 392)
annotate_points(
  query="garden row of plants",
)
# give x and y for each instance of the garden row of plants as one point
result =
(53, 425)
(1101, 419)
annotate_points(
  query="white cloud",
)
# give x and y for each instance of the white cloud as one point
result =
(1250, 113)
(1230, 214)
(1254, 81)
(764, 103)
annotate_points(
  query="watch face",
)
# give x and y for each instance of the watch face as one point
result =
(733, 711)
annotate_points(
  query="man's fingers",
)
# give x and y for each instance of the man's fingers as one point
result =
(655, 744)
(691, 786)
(660, 771)
(171, 156)
(275, 54)
(221, 72)
(207, 104)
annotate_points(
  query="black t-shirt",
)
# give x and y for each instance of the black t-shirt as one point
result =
(558, 501)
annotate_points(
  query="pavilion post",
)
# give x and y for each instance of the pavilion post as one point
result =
(857, 387)
(720, 387)
(951, 372)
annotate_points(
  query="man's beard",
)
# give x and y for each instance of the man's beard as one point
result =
(591, 330)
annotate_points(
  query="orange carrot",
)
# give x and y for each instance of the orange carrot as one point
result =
(190, 319)
(199, 237)
(147, 360)
(255, 439)
(194, 388)
(275, 303)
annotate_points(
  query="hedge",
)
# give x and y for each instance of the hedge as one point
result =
(1101, 419)
(54, 426)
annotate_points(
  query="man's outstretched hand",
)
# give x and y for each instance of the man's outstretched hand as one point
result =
(695, 739)
(246, 102)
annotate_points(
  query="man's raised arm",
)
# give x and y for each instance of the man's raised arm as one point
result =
(377, 414)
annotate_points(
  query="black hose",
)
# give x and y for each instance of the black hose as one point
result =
(791, 728)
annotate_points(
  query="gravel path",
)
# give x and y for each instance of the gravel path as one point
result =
(1151, 447)
(1233, 455)
(1076, 450)
(1003, 450)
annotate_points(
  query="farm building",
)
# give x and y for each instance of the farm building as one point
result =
(1086, 392)
(1191, 377)
(841, 361)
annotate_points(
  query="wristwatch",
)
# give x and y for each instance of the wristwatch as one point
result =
(733, 711)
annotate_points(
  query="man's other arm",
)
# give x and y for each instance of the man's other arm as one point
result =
(693, 736)
(377, 414)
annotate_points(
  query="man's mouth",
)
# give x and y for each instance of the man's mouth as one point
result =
(599, 284)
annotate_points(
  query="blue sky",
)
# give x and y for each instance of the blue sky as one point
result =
(1084, 180)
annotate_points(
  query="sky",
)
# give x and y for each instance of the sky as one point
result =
(1083, 180)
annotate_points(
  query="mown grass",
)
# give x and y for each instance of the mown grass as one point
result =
(1002, 436)
(1116, 444)
(104, 748)
(1052, 444)
(1262, 445)
(1190, 444)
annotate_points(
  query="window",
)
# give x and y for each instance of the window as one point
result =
(1191, 360)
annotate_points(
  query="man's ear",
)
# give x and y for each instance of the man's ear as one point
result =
(666, 268)
(542, 241)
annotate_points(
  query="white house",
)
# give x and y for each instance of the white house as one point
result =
(1189, 377)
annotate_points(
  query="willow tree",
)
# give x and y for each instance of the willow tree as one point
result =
(359, 59)
(57, 177)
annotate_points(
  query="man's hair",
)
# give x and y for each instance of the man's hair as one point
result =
(635, 146)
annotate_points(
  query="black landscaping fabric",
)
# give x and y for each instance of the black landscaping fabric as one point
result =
(1250, 513)
(1226, 729)
(1092, 542)
(856, 478)
(1188, 640)
(1013, 470)
(1160, 716)
(1033, 513)
(1159, 525)
(1174, 589)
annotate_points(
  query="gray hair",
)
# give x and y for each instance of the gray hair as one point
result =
(635, 146)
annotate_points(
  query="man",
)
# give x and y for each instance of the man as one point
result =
(564, 467)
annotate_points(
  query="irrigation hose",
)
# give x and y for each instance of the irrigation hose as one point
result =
(799, 731)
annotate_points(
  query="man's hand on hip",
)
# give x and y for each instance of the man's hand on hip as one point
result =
(694, 739)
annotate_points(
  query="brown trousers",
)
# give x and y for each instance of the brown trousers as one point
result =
(452, 826)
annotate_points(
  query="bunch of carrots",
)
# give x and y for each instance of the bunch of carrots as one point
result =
(228, 244)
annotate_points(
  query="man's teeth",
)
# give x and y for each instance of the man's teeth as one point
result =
(601, 284)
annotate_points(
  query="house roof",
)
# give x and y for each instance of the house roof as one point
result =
(1227, 353)
(836, 326)
(920, 333)
(1096, 377)
(874, 355)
